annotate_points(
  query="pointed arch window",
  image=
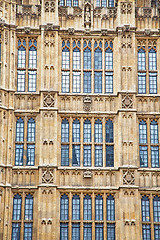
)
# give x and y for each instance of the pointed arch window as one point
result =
(76, 143)
(110, 217)
(99, 208)
(146, 228)
(109, 67)
(75, 207)
(109, 144)
(87, 208)
(64, 203)
(143, 144)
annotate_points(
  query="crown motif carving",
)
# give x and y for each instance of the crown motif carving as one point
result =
(87, 174)
(87, 102)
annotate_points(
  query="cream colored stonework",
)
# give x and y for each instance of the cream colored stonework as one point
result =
(127, 25)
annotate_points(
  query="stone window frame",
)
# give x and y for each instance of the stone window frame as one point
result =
(93, 143)
(69, 3)
(148, 144)
(104, 222)
(87, 73)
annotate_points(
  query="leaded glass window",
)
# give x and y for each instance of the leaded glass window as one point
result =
(76, 207)
(65, 131)
(99, 208)
(145, 209)
(142, 59)
(142, 132)
(64, 206)
(110, 208)
(87, 208)
(64, 231)
(87, 231)
(99, 231)
(75, 231)
(28, 207)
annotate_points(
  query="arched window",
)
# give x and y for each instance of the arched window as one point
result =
(145, 209)
(65, 131)
(108, 58)
(98, 131)
(87, 131)
(20, 130)
(110, 208)
(32, 54)
(76, 57)
(141, 59)
(65, 55)
(97, 56)
(64, 204)
(99, 208)
(156, 209)
(87, 56)
(17, 202)
(76, 131)
(152, 58)
(28, 207)
(75, 207)
(87, 208)
(154, 132)
(31, 130)
(108, 67)
(76, 139)
(142, 132)
(21, 55)
(109, 131)
(19, 142)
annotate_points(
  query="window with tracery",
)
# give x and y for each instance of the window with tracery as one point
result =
(22, 217)
(79, 147)
(87, 66)
(149, 143)
(25, 142)
(87, 211)
(69, 3)
(27, 65)
(150, 207)
(105, 3)
(147, 67)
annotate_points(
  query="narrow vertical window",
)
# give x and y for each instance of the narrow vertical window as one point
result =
(109, 67)
(152, 58)
(28, 216)
(141, 82)
(156, 214)
(110, 217)
(99, 208)
(16, 226)
(65, 143)
(65, 131)
(76, 231)
(141, 68)
(110, 3)
(154, 144)
(76, 143)
(98, 139)
(61, 2)
(109, 147)
(152, 83)
(99, 231)
(76, 67)
(64, 231)
(76, 207)
(104, 3)
(142, 59)
(146, 228)
(98, 3)
(65, 66)
(31, 142)
(143, 149)
(68, 3)
(87, 139)
(64, 207)
(87, 208)
(19, 142)
(87, 67)
(87, 231)
(75, 3)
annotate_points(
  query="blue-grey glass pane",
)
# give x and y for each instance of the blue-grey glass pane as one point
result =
(98, 131)
(143, 152)
(141, 83)
(64, 155)
(65, 58)
(69, 3)
(98, 59)
(16, 229)
(110, 3)
(154, 132)
(87, 131)
(27, 231)
(75, 207)
(65, 131)
(109, 59)
(99, 208)
(99, 232)
(32, 58)
(21, 57)
(87, 156)
(87, 231)
(156, 209)
(19, 155)
(109, 82)
(110, 231)
(30, 154)
(87, 82)
(156, 232)
(31, 130)
(20, 81)
(87, 58)
(110, 208)
(76, 59)
(152, 58)
(76, 82)
(98, 82)
(32, 80)
(98, 156)
(76, 155)
(28, 208)
(153, 83)
(87, 208)
(146, 230)
(75, 231)
(65, 82)
(75, 3)
(142, 132)
(141, 60)
(104, 3)
(19, 130)
(64, 231)
(145, 209)
(109, 156)
(76, 131)
(98, 3)
(61, 3)
(17, 202)
(155, 156)
(109, 131)
(64, 207)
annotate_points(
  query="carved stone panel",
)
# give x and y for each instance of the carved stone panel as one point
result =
(47, 176)
(87, 102)
(127, 101)
(128, 177)
(48, 100)
(126, 7)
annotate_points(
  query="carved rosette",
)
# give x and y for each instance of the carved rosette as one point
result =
(87, 102)
(127, 101)
(128, 177)
(48, 100)
(47, 176)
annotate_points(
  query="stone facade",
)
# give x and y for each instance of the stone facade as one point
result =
(128, 24)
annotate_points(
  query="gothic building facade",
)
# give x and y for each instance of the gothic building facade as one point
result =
(79, 119)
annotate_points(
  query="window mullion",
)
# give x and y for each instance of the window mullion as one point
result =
(92, 66)
(70, 216)
(27, 65)
(92, 142)
(71, 66)
(149, 143)
(22, 216)
(151, 217)
(147, 69)
(25, 142)
(70, 141)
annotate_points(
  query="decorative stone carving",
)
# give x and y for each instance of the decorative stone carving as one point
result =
(47, 176)
(6, 37)
(50, 27)
(127, 101)
(131, 222)
(128, 177)
(77, 12)
(50, 6)
(126, 41)
(87, 14)
(97, 12)
(87, 174)
(147, 12)
(71, 31)
(126, 7)
(48, 100)
(87, 102)
(147, 32)
(27, 30)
